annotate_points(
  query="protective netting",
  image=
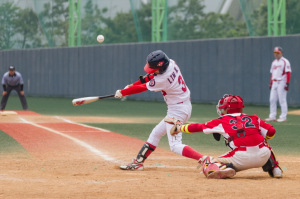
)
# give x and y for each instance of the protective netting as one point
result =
(45, 23)
(255, 15)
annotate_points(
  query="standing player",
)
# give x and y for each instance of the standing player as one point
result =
(244, 134)
(279, 85)
(163, 75)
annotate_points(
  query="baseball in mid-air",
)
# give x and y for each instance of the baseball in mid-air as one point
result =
(100, 38)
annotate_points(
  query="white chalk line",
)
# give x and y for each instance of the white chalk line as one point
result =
(79, 142)
(69, 121)
(81, 131)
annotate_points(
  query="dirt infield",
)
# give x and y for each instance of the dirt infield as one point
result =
(295, 112)
(74, 161)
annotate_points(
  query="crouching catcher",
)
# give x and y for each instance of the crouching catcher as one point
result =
(246, 136)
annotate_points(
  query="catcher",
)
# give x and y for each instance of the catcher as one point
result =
(244, 134)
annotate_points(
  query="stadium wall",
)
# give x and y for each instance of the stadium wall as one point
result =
(210, 68)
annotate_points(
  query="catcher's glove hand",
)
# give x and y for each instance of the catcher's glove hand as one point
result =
(177, 125)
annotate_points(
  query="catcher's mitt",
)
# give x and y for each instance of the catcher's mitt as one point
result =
(177, 125)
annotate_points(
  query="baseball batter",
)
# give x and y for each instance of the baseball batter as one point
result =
(244, 134)
(279, 85)
(163, 75)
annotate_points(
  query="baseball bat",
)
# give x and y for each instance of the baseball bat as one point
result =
(87, 100)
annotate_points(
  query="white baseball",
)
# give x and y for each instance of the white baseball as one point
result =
(100, 38)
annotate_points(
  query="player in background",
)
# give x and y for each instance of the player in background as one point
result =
(244, 134)
(165, 76)
(279, 85)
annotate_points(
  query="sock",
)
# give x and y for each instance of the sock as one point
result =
(189, 152)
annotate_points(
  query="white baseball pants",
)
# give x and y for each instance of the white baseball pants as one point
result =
(253, 157)
(180, 111)
(278, 92)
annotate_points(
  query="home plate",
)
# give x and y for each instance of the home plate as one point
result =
(5, 113)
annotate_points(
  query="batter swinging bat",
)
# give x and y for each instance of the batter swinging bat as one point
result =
(86, 100)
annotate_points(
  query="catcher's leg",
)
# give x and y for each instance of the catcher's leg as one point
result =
(215, 170)
(272, 167)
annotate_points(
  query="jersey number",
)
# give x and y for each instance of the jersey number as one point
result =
(180, 81)
(247, 124)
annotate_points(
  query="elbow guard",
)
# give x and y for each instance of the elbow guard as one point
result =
(142, 79)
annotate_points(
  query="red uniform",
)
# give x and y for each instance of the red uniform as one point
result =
(244, 134)
(253, 132)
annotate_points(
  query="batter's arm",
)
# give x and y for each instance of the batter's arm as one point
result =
(143, 80)
(134, 89)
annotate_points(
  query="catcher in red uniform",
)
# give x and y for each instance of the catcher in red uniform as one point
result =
(244, 134)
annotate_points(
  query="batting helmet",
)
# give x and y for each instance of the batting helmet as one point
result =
(278, 50)
(157, 60)
(233, 104)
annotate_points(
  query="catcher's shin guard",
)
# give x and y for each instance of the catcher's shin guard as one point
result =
(271, 166)
(145, 151)
(216, 170)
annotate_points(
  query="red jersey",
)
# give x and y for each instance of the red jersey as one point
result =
(252, 133)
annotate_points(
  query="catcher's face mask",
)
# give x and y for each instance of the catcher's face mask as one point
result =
(232, 103)
(220, 108)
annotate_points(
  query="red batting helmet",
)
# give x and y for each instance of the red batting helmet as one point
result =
(233, 104)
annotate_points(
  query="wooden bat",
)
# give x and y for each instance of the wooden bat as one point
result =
(87, 100)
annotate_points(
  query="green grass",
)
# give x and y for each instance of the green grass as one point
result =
(9, 145)
(285, 141)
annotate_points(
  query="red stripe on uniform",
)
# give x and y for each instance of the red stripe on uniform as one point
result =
(283, 72)
(229, 154)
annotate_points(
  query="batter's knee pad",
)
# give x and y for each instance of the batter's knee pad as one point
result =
(145, 151)
(271, 164)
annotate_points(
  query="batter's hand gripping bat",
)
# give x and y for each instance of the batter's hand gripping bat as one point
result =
(87, 100)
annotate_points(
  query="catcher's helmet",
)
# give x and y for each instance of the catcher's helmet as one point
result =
(278, 49)
(233, 104)
(157, 60)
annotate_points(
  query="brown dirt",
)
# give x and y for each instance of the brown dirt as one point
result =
(62, 168)
(44, 118)
(296, 112)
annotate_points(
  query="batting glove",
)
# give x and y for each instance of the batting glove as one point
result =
(270, 86)
(287, 86)
(118, 94)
